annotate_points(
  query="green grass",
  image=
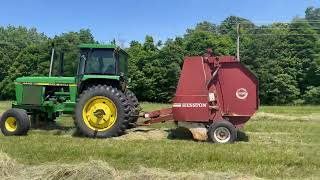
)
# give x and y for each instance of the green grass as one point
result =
(284, 145)
(146, 106)
(4, 105)
(291, 110)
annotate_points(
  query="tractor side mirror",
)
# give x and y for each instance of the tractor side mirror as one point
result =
(81, 64)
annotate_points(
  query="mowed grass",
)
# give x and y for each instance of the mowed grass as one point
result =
(291, 110)
(283, 142)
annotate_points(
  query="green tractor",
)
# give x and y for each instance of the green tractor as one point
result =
(97, 97)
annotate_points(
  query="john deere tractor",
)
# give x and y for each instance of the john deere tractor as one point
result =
(97, 97)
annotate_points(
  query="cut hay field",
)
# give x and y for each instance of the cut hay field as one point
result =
(283, 142)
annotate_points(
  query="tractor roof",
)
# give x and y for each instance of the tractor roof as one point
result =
(101, 46)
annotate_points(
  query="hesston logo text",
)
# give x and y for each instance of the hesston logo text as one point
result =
(196, 105)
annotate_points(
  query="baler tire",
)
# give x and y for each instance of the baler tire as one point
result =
(20, 126)
(134, 108)
(224, 126)
(122, 111)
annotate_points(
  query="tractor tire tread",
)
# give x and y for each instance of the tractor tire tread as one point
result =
(121, 103)
(134, 107)
(23, 122)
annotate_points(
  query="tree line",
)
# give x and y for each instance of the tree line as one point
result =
(284, 56)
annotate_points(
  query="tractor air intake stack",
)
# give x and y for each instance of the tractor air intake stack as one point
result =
(61, 63)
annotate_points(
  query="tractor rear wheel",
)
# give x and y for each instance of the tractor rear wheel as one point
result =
(15, 122)
(134, 108)
(102, 111)
(222, 132)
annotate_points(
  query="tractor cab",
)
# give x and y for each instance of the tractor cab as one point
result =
(97, 59)
(102, 62)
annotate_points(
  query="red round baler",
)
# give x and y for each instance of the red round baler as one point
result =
(215, 96)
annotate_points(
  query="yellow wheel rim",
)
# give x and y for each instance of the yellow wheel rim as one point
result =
(11, 124)
(99, 113)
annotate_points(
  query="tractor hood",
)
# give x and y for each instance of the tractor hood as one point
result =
(46, 80)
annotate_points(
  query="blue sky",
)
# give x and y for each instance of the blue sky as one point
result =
(133, 19)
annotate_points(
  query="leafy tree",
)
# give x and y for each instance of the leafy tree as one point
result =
(205, 26)
(313, 16)
(283, 90)
(197, 41)
(27, 63)
(68, 42)
(13, 42)
(312, 95)
(154, 72)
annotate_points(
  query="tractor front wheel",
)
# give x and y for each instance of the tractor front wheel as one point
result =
(15, 122)
(102, 111)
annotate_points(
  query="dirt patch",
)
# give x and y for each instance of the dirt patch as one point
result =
(96, 169)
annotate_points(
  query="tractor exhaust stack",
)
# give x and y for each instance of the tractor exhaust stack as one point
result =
(61, 64)
(51, 60)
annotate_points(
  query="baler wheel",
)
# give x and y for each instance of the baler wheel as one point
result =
(102, 111)
(134, 108)
(222, 132)
(15, 122)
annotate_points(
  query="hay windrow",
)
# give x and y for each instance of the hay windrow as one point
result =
(272, 116)
(8, 166)
(89, 170)
(155, 173)
(144, 133)
(96, 169)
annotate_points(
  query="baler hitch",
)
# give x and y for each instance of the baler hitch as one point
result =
(157, 116)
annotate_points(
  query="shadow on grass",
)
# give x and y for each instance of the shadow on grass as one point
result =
(46, 125)
(178, 133)
(242, 136)
(184, 134)
(55, 128)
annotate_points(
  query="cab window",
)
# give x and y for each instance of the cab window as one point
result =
(123, 63)
(101, 61)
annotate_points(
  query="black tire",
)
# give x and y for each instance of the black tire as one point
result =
(222, 132)
(22, 122)
(134, 108)
(119, 100)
